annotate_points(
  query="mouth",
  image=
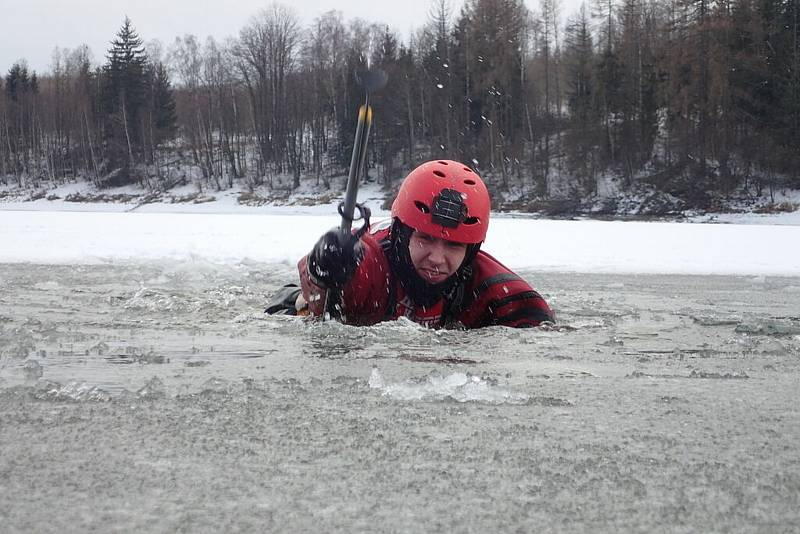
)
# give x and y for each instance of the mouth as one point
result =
(434, 275)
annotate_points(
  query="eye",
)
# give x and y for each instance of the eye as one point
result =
(421, 238)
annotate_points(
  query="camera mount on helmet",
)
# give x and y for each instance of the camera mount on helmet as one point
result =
(448, 208)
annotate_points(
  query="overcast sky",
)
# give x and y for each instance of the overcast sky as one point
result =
(31, 29)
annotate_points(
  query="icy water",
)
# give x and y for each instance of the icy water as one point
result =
(158, 398)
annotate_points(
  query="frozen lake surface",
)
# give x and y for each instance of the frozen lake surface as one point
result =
(155, 396)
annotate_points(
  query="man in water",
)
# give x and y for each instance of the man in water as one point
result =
(426, 263)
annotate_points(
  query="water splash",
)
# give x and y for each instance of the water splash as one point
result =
(460, 387)
(153, 389)
(32, 370)
(72, 391)
(768, 328)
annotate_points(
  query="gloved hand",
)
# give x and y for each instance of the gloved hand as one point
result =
(333, 260)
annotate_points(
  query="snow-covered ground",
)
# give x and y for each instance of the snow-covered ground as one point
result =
(222, 231)
(775, 219)
(576, 246)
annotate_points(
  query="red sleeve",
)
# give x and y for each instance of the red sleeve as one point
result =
(313, 293)
(501, 297)
(365, 297)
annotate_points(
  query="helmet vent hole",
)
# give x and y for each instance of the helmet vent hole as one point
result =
(442, 162)
(469, 182)
(470, 220)
(440, 174)
(467, 169)
(422, 207)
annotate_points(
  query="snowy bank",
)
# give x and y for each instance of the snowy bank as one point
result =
(544, 245)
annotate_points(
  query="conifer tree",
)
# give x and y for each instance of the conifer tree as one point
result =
(581, 100)
(21, 90)
(165, 117)
(124, 95)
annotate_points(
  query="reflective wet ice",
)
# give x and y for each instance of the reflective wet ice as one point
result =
(162, 391)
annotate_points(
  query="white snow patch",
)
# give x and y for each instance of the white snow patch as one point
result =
(225, 232)
(562, 246)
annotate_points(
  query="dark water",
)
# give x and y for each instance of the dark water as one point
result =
(158, 397)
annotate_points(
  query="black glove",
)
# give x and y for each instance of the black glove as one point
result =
(334, 259)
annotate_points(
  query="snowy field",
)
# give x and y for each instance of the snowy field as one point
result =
(142, 389)
(221, 232)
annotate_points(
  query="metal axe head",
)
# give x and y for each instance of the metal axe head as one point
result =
(372, 80)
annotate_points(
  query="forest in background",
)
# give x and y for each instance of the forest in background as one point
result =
(694, 99)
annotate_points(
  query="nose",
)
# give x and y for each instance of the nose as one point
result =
(436, 252)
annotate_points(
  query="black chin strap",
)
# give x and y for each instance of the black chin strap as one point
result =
(453, 303)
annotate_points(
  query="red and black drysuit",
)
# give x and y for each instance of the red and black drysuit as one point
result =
(486, 294)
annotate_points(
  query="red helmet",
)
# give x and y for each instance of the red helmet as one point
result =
(444, 199)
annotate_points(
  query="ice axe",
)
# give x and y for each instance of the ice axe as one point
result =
(370, 80)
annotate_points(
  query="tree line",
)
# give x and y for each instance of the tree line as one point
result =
(691, 97)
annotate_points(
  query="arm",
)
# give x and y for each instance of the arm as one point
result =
(501, 297)
(364, 293)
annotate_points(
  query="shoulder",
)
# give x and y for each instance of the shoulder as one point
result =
(376, 240)
(371, 276)
(498, 296)
(379, 231)
(489, 272)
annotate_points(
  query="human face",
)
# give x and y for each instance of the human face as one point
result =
(435, 259)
